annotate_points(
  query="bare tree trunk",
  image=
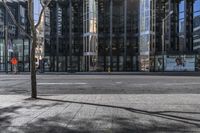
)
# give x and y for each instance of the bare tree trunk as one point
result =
(33, 70)
(33, 46)
(33, 37)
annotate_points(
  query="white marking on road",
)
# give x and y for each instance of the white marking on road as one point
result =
(182, 84)
(62, 83)
(118, 82)
(168, 84)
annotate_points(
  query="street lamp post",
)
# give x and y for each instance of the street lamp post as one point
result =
(163, 35)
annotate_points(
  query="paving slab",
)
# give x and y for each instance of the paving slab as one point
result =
(101, 113)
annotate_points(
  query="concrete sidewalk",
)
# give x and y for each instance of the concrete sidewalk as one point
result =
(106, 113)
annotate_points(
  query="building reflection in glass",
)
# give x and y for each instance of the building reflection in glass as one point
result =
(181, 24)
(90, 35)
(144, 48)
(196, 25)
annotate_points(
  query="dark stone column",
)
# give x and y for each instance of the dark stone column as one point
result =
(170, 28)
(57, 38)
(190, 26)
(111, 34)
(185, 25)
(125, 34)
(70, 34)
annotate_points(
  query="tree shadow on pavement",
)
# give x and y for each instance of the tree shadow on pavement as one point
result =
(5, 114)
(160, 114)
(11, 113)
(100, 123)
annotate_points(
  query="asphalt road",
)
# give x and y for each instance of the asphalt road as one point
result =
(100, 84)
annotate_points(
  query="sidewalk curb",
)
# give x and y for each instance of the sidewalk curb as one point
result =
(113, 73)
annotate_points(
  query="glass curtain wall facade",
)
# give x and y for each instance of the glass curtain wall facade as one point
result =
(118, 35)
(90, 35)
(97, 35)
(196, 31)
(196, 25)
(64, 44)
(122, 35)
(180, 36)
(179, 26)
(17, 42)
(147, 34)
(144, 47)
(181, 23)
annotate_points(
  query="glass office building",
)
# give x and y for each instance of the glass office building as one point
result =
(93, 35)
(17, 42)
(110, 35)
(123, 35)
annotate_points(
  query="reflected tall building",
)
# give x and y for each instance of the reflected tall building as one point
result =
(147, 21)
(196, 25)
(90, 35)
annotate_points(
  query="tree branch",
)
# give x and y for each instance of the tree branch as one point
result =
(14, 20)
(42, 11)
(30, 13)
